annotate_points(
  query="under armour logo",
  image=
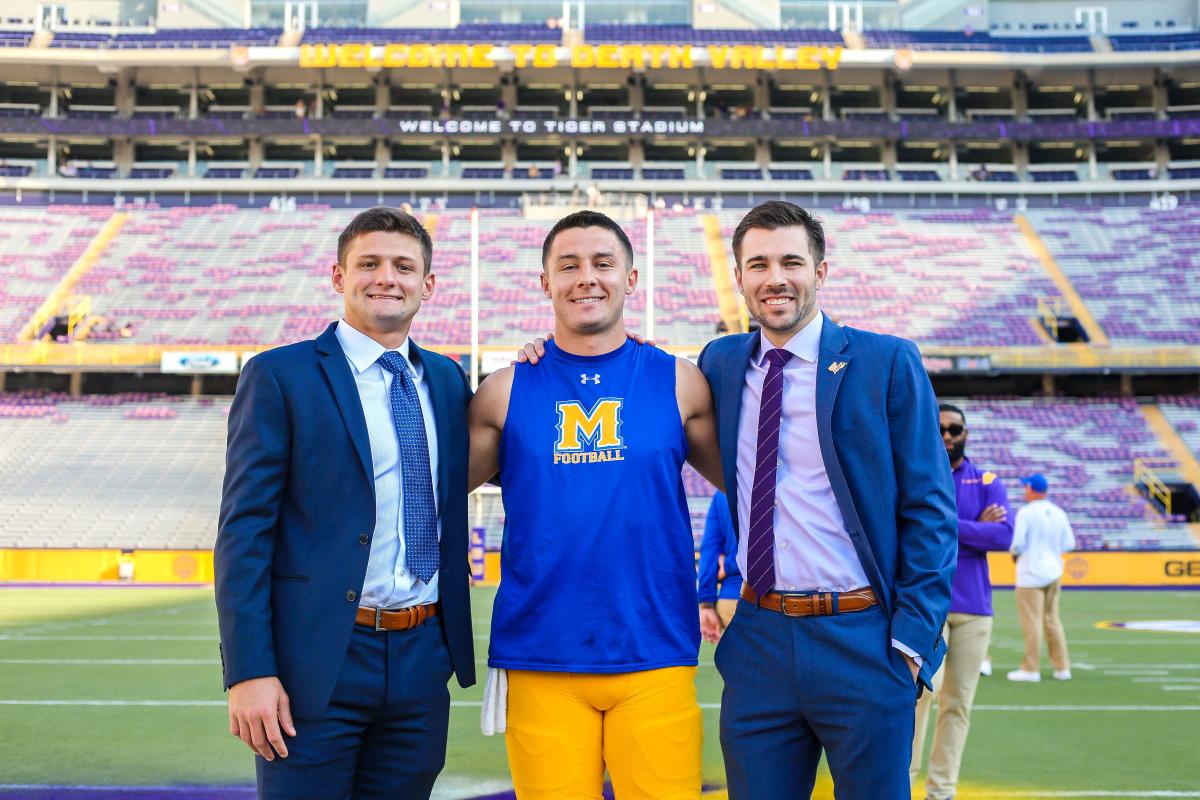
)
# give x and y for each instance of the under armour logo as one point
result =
(585, 378)
(836, 367)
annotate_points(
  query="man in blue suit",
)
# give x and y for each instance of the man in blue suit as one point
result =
(844, 507)
(341, 555)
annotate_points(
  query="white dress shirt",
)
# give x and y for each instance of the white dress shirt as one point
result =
(389, 583)
(813, 551)
(1041, 534)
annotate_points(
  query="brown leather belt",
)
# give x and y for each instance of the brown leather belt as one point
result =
(812, 604)
(399, 619)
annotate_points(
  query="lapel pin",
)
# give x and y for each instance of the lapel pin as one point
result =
(836, 367)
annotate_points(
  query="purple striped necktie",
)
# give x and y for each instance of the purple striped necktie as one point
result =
(760, 551)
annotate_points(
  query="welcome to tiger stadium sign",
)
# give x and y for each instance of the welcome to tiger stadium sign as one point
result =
(545, 56)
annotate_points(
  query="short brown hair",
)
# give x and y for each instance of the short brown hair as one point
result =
(387, 220)
(587, 219)
(775, 214)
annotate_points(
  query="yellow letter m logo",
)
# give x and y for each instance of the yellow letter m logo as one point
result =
(600, 427)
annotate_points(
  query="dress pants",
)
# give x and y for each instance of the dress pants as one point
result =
(967, 637)
(1038, 610)
(383, 734)
(795, 686)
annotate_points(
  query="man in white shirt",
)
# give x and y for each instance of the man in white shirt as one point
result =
(1041, 535)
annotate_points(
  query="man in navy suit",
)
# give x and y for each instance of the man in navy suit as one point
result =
(341, 555)
(845, 512)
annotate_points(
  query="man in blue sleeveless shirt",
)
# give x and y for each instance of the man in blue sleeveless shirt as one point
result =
(599, 662)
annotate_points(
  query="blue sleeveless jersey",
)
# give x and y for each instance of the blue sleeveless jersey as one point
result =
(598, 565)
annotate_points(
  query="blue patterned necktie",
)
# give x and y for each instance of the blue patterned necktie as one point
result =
(420, 512)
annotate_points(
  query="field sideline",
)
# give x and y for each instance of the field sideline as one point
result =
(122, 688)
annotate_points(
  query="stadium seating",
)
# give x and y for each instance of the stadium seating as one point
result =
(866, 175)
(1133, 267)
(784, 174)
(128, 470)
(1156, 41)
(1131, 175)
(1183, 412)
(1053, 175)
(223, 275)
(139, 470)
(521, 33)
(220, 275)
(355, 172)
(959, 278)
(1086, 449)
(601, 33)
(37, 247)
(960, 40)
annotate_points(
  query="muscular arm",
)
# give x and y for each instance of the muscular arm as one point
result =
(699, 421)
(485, 422)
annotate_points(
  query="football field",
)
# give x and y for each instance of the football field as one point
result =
(121, 687)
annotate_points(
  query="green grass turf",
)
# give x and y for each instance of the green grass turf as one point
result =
(1074, 750)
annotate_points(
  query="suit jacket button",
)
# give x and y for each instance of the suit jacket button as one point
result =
(351, 596)
(363, 538)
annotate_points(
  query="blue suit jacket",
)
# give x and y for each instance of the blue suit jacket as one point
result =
(877, 421)
(298, 512)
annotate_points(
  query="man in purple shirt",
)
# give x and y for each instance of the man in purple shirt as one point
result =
(984, 525)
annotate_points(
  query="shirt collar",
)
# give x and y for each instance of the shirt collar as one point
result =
(965, 465)
(805, 343)
(363, 351)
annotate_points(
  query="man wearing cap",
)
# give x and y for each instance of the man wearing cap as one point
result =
(984, 524)
(1042, 534)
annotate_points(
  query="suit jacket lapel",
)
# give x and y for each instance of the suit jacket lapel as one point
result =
(829, 380)
(345, 393)
(730, 405)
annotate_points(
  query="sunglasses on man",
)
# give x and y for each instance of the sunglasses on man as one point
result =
(954, 430)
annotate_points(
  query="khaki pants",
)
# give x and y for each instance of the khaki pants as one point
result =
(1038, 609)
(967, 638)
(725, 609)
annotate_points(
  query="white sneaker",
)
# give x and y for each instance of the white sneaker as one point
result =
(1062, 674)
(1022, 675)
(985, 669)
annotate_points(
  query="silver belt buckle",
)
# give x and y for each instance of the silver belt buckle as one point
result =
(378, 619)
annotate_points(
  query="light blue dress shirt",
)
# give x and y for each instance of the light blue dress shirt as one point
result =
(389, 584)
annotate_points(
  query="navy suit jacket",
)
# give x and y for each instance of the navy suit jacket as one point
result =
(298, 513)
(877, 421)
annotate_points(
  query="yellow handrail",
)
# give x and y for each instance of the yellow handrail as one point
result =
(1144, 474)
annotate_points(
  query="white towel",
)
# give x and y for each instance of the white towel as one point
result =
(493, 717)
